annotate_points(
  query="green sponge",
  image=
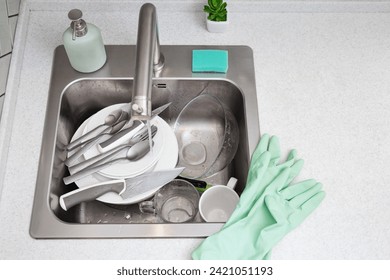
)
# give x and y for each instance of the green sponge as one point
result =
(210, 61)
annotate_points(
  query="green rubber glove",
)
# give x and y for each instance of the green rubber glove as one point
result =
(290, 208)
(263, 170)
(240, 240)
(253, 238)
(257, 172)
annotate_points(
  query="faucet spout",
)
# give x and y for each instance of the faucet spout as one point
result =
(148, 60)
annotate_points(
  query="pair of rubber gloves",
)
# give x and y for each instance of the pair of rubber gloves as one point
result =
(268, 209)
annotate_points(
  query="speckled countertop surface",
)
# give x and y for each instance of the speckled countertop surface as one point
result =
(323, 85)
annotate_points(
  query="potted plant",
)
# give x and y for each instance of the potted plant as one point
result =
(217, 20)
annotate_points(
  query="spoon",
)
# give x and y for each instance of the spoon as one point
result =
(110, 120)
(116, 127)
(104, 157)
(134, 153)
(110, 130)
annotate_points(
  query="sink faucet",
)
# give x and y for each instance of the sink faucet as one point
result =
(149, 59)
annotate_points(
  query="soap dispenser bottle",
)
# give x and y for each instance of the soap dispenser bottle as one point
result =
(84, 44)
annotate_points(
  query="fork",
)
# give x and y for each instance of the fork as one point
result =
(104, 157)
(93, 141)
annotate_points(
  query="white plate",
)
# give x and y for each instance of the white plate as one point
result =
(168, 159)
(125, 168)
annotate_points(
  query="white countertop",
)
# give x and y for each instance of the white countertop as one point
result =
(323, 85)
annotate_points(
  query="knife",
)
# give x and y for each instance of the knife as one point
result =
(112, 141)
(126, 188)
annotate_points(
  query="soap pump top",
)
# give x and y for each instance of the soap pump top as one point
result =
(84, 44)
(78, 25)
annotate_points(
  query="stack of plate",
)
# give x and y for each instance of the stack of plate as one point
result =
(164, 156)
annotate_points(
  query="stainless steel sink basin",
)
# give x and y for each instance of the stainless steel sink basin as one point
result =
(73, 97)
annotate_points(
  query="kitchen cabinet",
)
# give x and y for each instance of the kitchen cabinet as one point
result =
(13, 7)
(5, 38)
(9, 10)
(12, 27)
(1, 103)
(4, 65)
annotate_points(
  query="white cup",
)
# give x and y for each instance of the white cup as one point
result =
(218, 202)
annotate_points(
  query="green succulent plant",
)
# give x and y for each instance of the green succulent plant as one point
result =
(216, 10)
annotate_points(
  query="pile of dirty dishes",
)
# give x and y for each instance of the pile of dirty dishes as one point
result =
(163, 155)
(208, 135)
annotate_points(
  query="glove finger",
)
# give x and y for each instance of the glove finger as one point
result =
(306, 209)
(274, 203)
(274, 149)
(262, 147)
(310, 205)
(301, 199)
(258, 168)
(291, 191)
(280, 181)
(295, 169)
(292, 155)
(252, 191)
(291, 160)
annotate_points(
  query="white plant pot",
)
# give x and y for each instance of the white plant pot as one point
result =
(217, 26)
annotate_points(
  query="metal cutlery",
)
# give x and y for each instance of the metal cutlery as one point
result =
(111, 142)
(127, 188)
(104, 157)
(107, 131)
(112, 119)
(93, 141)
(134, 153)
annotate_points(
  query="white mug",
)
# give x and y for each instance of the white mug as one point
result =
(218, 202)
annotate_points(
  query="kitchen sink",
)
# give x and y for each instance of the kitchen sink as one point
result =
(74, 97)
